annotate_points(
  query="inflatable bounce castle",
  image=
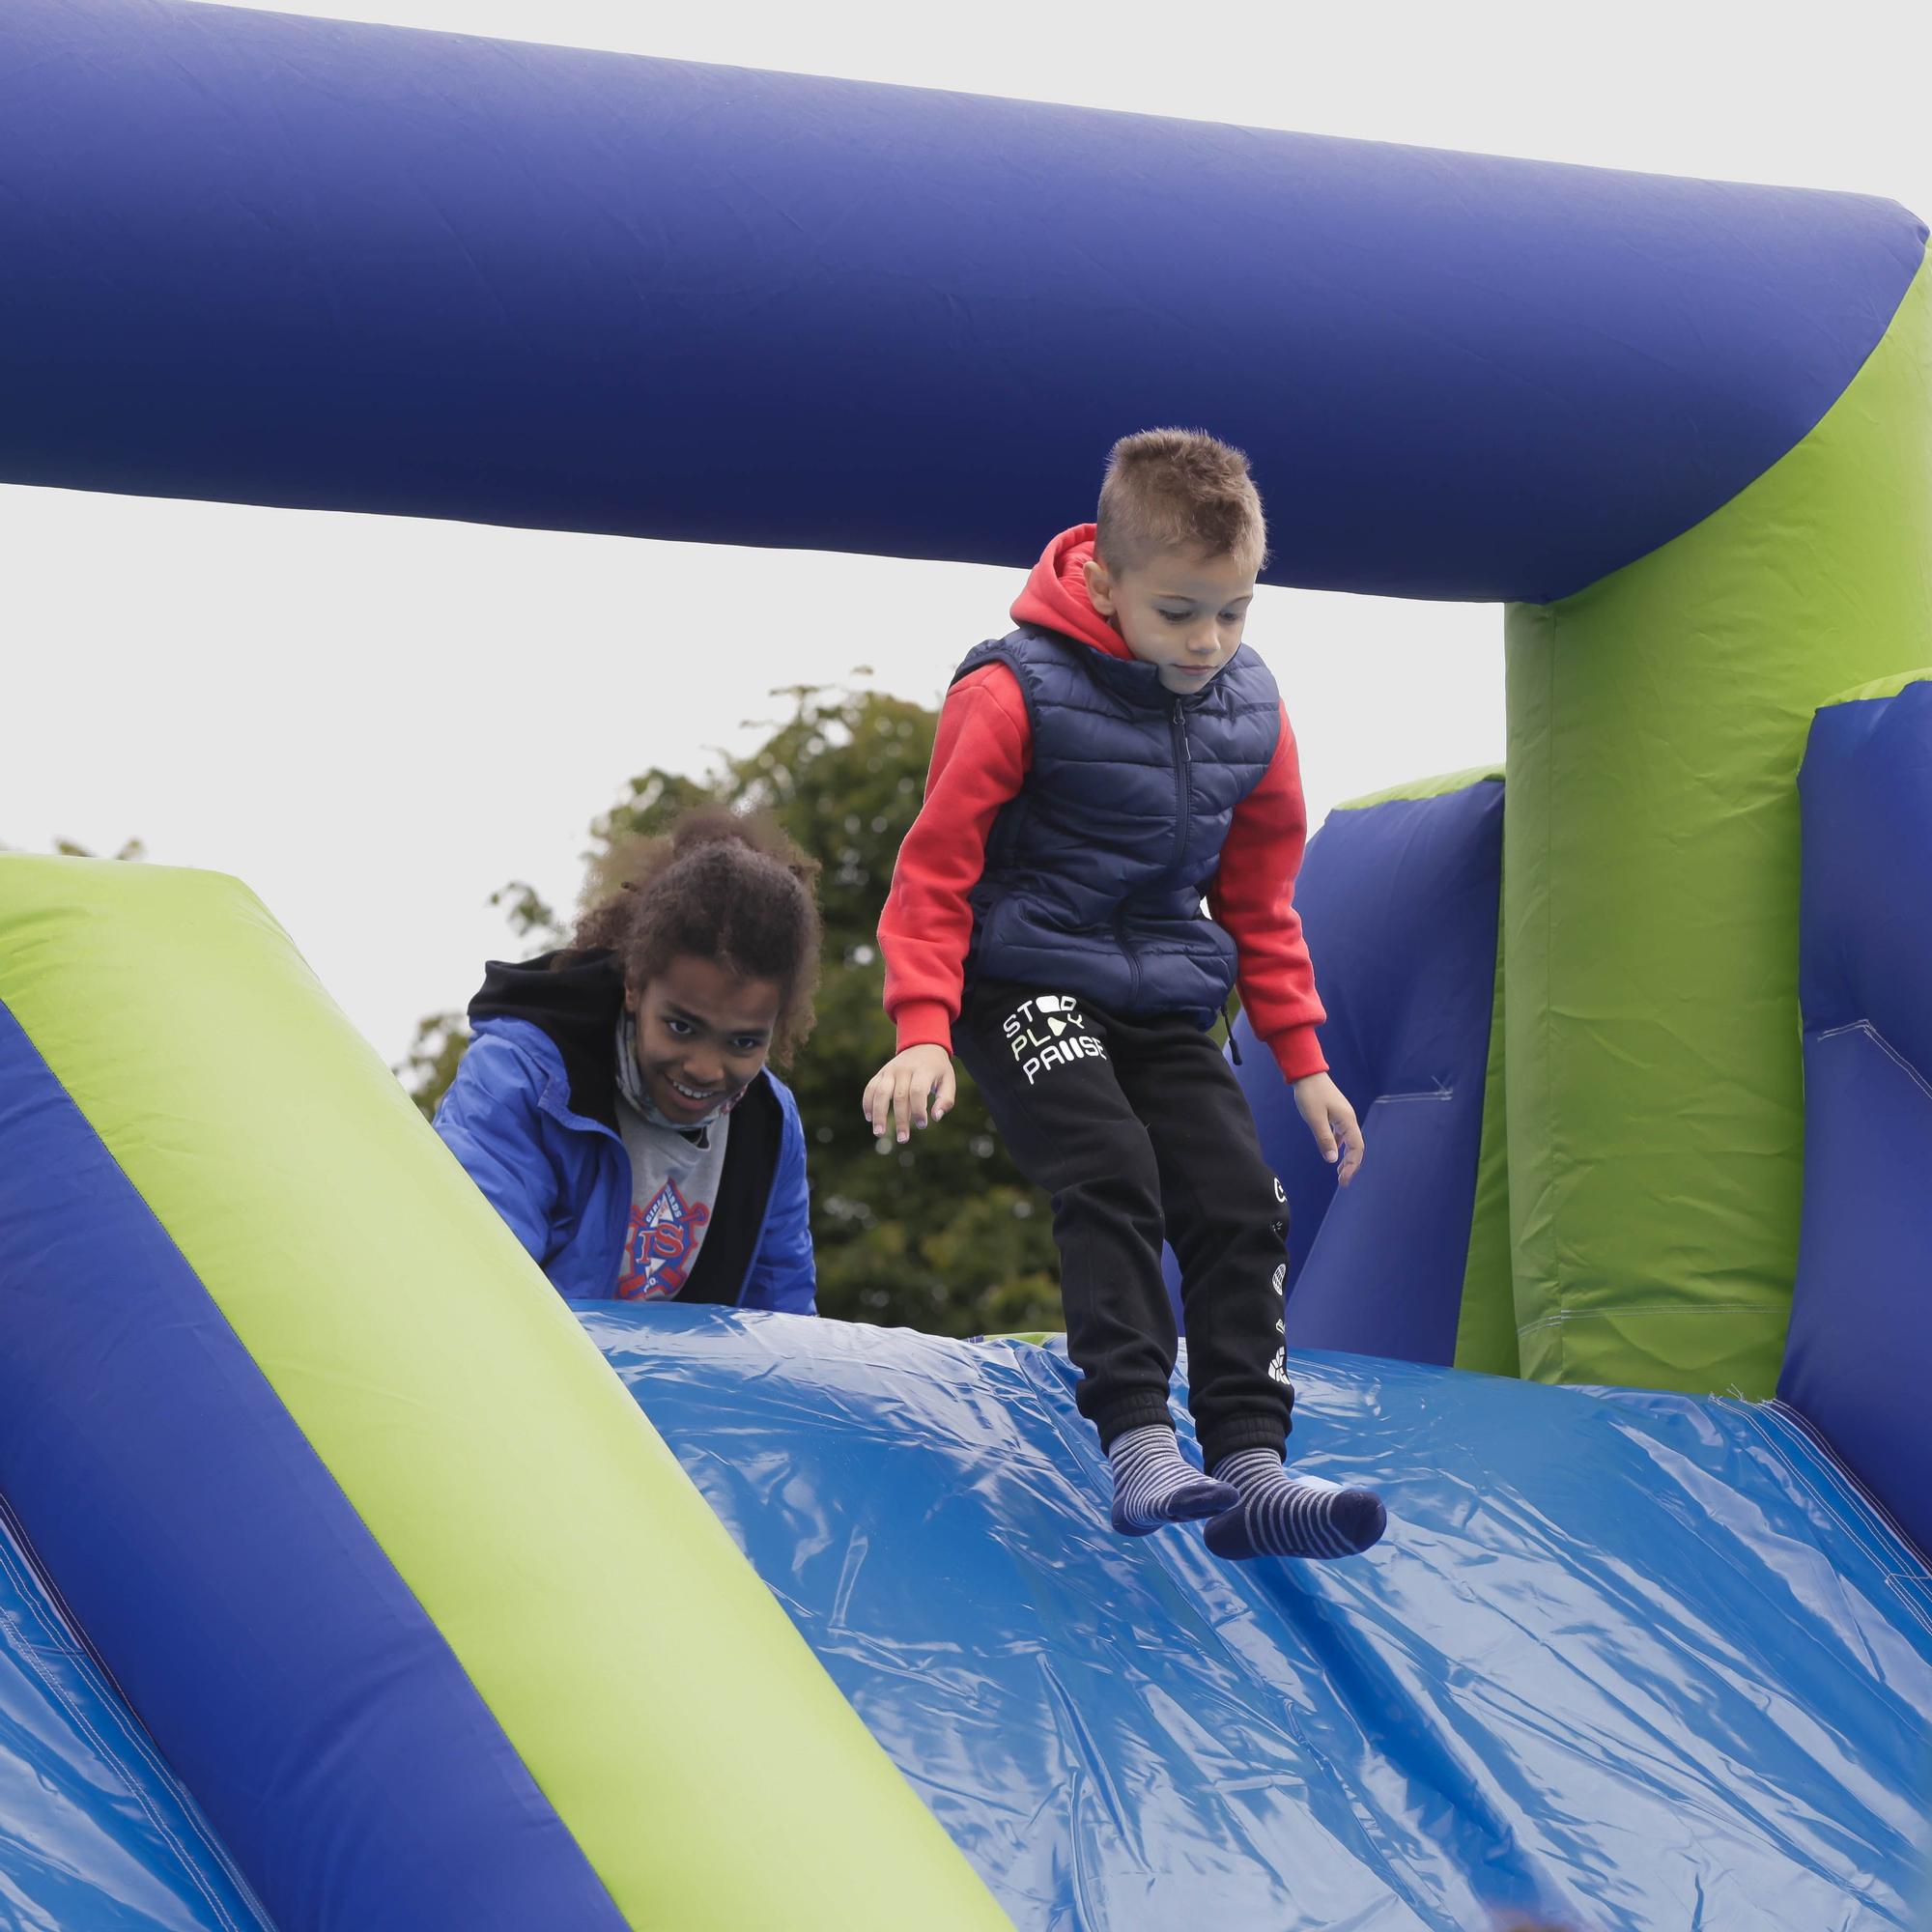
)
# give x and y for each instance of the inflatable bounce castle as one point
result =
(349, 1580)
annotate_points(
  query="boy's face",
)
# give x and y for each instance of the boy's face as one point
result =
(1179, 610)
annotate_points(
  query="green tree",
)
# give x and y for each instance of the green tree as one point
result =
(942, 1233)
(132, 850)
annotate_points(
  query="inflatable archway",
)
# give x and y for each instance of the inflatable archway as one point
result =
(1678, 429)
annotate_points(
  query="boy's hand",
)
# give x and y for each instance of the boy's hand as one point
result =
(913, 1087)
(1330, 1119)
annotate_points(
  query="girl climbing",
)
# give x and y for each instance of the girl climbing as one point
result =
(616, 1106)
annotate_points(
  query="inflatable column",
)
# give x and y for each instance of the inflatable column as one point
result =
(1657, 718)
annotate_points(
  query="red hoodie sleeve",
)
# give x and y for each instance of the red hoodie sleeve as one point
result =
(1253, 899)
(979, 760)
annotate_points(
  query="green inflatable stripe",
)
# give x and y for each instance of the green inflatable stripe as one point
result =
(631, 1655)
(1880, 687)
(1656, 724)
(1485, 1329)
(1436, 788)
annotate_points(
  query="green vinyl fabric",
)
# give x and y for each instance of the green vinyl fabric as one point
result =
(1656, 724)
(1485, 1337)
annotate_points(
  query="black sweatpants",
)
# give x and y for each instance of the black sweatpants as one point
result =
(1133, 1126)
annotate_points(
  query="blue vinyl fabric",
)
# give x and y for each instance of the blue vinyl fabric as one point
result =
(1399, 901)
(562, 1181)
(1859, 1360)
(302, 262)
(293, 1682)
(95, 1832)
(1625, 1660)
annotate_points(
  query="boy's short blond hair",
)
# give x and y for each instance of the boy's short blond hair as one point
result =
(1179, 489)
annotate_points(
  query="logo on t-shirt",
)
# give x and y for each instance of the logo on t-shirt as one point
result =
(664, 1236)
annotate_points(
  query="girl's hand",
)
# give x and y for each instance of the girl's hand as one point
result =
(1330, 1119)
(913, 1087)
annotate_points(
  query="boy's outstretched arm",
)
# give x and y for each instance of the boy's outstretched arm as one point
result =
(1252, 899)
(912, 1089)
(1326, 1111)
(980, 759)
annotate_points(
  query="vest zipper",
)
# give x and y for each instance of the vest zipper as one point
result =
(1184, 760)
(1182, 763)
(1176, 725)
(1130, 955)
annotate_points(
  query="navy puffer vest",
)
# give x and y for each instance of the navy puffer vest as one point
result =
(1095, 871)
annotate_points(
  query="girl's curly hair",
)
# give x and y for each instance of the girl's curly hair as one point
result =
(724, 886)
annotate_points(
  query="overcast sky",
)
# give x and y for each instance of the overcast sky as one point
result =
(363, 718)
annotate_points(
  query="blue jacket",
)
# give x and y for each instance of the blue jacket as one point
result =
(1095, 871)
(531, 1115)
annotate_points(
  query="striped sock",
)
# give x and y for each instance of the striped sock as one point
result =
(1280, 1515)
(1153, 1484)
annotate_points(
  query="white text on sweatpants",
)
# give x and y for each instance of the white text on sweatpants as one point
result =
(1047, 1032)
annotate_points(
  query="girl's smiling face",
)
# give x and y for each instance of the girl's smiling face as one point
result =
(703, 1035)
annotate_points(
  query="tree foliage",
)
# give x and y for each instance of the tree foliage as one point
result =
(131, 849)
(942, 1233)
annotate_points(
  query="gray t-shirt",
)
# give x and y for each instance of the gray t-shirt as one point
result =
(674, 1175)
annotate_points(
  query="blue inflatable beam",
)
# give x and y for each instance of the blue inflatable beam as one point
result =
(291, 261)
(1625, 1661)
(1860, 1357)
(357, 1778)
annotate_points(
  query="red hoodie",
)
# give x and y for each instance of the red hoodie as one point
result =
(979, 760)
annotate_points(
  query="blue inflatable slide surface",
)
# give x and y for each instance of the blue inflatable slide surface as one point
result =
(95, 1832)
(1624, 1662)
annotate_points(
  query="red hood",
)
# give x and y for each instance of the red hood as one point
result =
(1056, 599)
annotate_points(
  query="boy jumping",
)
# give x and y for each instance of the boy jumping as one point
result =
(1095, 772)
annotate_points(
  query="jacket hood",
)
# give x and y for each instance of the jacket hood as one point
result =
(576, 1004)
(1055, 597)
